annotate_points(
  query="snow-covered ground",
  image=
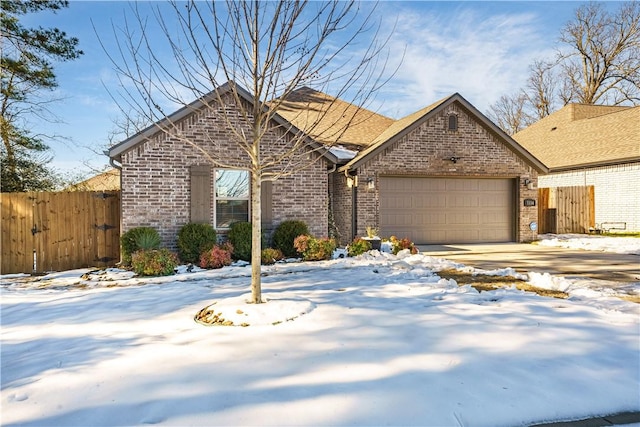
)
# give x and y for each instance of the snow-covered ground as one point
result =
(373, 340)
(620, 245)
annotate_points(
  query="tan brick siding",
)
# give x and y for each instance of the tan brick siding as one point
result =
(425, 152)
(341, 201)
(156, 175)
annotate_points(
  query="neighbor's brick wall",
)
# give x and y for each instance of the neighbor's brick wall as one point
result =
(616, 188)
(156, 175)
(423, 152)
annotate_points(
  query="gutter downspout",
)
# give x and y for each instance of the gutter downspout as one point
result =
(112, 162)
(354, 205)
(354, 212)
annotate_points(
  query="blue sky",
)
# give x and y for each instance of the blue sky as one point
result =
(480, 49)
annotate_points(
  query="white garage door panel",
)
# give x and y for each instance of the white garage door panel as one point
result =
(447, 210)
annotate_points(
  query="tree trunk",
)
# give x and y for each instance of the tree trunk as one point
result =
(256, 238)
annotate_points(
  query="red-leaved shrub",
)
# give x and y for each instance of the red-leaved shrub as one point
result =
(217, 257)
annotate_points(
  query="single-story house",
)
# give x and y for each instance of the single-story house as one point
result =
(108, 180)
(444, 174)
(592, 145)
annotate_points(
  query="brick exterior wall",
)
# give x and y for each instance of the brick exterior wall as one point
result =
(423, 152)
(156, 175)
(616, 188)
(341, 203)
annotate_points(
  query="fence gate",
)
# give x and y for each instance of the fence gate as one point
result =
(566, 209)
(59, 231)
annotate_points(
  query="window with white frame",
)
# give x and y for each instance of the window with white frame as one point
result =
(232, 197)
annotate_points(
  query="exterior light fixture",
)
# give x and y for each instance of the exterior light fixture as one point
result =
(528, 183)
(371, 185)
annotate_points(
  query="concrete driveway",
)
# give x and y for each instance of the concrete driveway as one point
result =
(525, 257)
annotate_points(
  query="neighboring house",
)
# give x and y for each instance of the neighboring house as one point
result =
(444, 174)
(108, 180)
(592, 145)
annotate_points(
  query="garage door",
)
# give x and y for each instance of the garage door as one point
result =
(447, 210)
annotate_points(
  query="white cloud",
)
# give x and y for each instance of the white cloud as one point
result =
(480, 56)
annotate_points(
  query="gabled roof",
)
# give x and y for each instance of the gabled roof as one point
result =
(578, 136)
(117, 150)
(331, 120)
(404, 126)
(106, 181)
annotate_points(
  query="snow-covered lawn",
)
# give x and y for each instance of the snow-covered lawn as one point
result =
(620, 245)
(374, 340)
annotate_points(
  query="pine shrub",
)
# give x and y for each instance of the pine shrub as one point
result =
(284, 235)
(194, 239)
(130, 241)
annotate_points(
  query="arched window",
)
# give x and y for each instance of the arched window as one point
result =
(453, 122)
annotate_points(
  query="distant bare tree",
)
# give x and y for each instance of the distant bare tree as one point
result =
(509, 113)
(269, 48)
(602, 62)
(598, 62)
(540, 89)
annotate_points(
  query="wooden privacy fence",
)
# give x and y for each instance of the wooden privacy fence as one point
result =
(59, 231)
(566, 209)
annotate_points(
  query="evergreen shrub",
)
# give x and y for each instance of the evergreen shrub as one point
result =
(131, 240)
(284, 235)
(194, 239)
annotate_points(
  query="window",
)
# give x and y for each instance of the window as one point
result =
(232, 197)
(453, 122)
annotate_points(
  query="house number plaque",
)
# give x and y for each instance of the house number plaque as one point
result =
(529, 202)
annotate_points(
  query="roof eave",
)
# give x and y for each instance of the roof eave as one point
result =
(117, 150)
(358, 160)
(521, 151)
(568, 168)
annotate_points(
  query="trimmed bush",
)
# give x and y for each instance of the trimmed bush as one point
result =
(399, 244)
(358, 247)
(194, 239)
(154, 262)
(130, 241)
(284, 235)
(271, 256)
(313, 249)
(240, 238)
(217, 257)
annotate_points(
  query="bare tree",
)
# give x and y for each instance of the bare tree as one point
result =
(509, 113)
(540, 90)
(598, 63)
(602, 62)
(271, 49)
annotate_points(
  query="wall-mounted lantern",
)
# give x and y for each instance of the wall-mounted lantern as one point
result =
(371, 184)
(528, 183)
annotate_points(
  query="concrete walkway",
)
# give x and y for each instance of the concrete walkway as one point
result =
(525, 257)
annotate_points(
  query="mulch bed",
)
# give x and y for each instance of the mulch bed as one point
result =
(485, 282)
